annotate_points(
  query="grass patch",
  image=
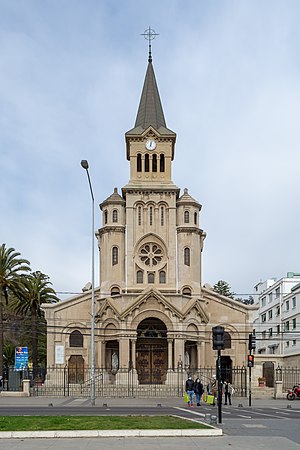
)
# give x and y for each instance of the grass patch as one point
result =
(44, 423)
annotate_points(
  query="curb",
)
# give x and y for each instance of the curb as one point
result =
(110, 433)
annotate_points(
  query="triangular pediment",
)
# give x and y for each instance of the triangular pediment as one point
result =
(153, 294)
(106, 305)
(195, 303)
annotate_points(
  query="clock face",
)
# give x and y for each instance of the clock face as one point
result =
(150, 144)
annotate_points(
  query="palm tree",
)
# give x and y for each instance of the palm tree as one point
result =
(33, 290)
(11, 267)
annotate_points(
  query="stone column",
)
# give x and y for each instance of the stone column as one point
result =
(123, 353)
(178, 351)
(102, 355)
(170, 354)
(199, 355)
(133, 353)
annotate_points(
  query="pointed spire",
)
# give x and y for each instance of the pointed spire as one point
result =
(150, 110)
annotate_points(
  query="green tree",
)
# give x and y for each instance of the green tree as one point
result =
(33, 290)
(223, 288)
(11, 268)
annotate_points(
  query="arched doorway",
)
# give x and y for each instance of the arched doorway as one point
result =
(76, 369)
(152, 351)
(268, 373)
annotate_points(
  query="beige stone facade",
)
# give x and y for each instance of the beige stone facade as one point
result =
(152, 313)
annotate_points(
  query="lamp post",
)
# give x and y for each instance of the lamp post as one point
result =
(85, 166)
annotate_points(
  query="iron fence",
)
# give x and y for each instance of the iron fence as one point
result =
(290, 376)
(125, 382)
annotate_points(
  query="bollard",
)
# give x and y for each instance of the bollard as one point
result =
(213, 420)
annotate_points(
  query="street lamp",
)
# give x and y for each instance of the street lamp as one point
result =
(85, 166)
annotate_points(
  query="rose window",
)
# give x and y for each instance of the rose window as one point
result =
(151, 254)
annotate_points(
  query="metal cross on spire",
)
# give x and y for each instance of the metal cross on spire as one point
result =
(149, 34)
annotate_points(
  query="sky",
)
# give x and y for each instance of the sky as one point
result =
(228, 71)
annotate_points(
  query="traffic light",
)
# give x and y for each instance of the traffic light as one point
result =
(252, 341)
(218, 338)
(250, 360)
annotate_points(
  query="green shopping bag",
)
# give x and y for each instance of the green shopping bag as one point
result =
(186, 397)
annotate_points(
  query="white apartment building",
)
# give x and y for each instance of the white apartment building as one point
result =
(277, 324)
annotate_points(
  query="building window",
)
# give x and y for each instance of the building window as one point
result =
(287, 326)
(294, 342)
(270, 332)
(154, 163)
(151, 254)
(195, 218)
(139, 215)
(162, 216)
(294, 302)
(146, 162)
(187, 256)
(278, 329)
(162, 277)
(187, 291)
(186, 217)
(105, 217)
(162, 163)
(150, 278)
(76, 339)
(114, 291)
(115, 216)
(270, 314)
(294, 323)
(115, 255)
(263, 302)
(277, 293)
(287, 344)
(263, 317)
(287, 305)
(139, 163)
(139, 277)
(270, 297)
(263, 334)
(150, 215)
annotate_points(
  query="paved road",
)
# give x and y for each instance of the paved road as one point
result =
(268, 424)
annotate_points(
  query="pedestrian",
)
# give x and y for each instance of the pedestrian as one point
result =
(1, 383)
(198, 388)
(189, 389)
(228, 391)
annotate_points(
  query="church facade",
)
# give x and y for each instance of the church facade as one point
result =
(153, 316)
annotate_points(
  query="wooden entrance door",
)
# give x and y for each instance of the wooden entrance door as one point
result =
(152, 363)
(76, 369)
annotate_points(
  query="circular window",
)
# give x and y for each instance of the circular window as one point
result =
(151, 254)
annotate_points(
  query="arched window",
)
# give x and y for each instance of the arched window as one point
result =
(227, 340)
(139, 215)
(195, 218)
(105, 217)
(76, 339)
(162, 277)
(187, 291)
(139, 277)
(187, 256)
(115, 216)
(146, 162)
(150, 215)
(162, 216)
(115, 291)
(154, 163)
(139, 163)
(115, 255)
(150, 278)
(186, 217)
(162, 163)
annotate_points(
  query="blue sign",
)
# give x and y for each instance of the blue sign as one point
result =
(21, 358)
